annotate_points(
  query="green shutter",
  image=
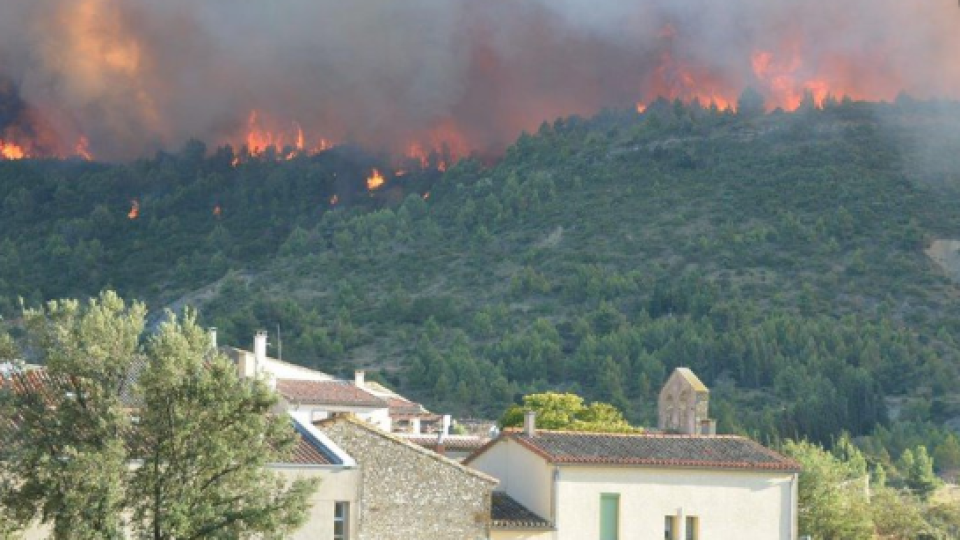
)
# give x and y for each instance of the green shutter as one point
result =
(609, 516)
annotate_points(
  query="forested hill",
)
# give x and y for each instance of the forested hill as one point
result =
(780, 256)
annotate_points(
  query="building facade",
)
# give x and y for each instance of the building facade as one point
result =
(409, 492)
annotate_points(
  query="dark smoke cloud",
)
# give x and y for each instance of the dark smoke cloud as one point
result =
(138, 75)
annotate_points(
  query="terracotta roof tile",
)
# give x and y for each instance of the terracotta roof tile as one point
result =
(327, 393)
(699, 451)
(400, 406)
(507, 513)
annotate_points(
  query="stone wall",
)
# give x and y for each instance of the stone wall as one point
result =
(407, 492)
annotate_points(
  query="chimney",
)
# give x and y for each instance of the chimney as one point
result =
(530, 423)
(212, 331)
(446, 425)
(415, 426)
(259, 352)
(359, 378)
(441, 447)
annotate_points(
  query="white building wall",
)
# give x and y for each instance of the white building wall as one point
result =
(523, 475)
(379, 417)
(336, 485)
(730, 505)
(248, 366)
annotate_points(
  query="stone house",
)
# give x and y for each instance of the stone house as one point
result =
(405, 491)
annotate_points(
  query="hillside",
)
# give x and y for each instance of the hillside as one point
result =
(780, 256)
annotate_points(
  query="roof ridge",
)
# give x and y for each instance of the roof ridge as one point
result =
(649, 434)
(399, 440)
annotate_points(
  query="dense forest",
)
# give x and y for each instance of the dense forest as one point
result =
(779, 255)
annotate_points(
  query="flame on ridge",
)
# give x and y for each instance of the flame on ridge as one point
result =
(134, 212)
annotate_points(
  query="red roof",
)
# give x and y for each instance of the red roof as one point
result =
(327, 393)
(645, 449)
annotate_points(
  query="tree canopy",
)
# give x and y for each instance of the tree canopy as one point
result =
(567, 412)
(158, 436)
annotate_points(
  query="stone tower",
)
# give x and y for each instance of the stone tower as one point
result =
(684, 405)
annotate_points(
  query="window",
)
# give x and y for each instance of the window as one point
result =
(609, 516)
(341, 520)
(670, 528)
(693, 528)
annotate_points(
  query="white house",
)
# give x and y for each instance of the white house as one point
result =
(321, 395)
(557, 485)
(625, 486)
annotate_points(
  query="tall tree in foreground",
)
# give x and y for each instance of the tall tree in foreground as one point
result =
(200, 437)
(65, 457)
(206, 438)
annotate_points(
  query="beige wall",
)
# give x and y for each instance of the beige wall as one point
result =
(730, 505)
(336, 484)
(523, 475)
(523, 535)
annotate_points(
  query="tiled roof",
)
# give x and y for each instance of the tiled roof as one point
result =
(307, 453)
(327, 393)
(464, 443)
(507, 513)
(699, 451)
(692, 379)
(403, 407)
(309, 450)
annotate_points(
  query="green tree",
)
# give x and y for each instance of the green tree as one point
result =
(833, 501)
(916, 468)
(200, 435)
(67, 454)
(207, 437)
(568, 412)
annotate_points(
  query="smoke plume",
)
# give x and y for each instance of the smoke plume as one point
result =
(135, 76)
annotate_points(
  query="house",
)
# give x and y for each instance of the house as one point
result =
(313, 456)
(322, 395)
(406, 491)
(558, 485)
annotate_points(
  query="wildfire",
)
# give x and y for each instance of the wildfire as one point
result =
(134, 212)
(288, 143)
(9, 150)
(375, 181)
(82, 150)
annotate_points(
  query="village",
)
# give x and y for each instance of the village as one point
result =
(390, 469)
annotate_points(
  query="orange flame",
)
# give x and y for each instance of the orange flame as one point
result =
(217, 211)
(9, 150)
(82, 150)
(134, 212)
(375, 181)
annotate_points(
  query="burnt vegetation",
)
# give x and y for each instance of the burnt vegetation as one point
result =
(780, 256)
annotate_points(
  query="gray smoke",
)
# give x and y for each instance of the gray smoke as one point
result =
(135, 76)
